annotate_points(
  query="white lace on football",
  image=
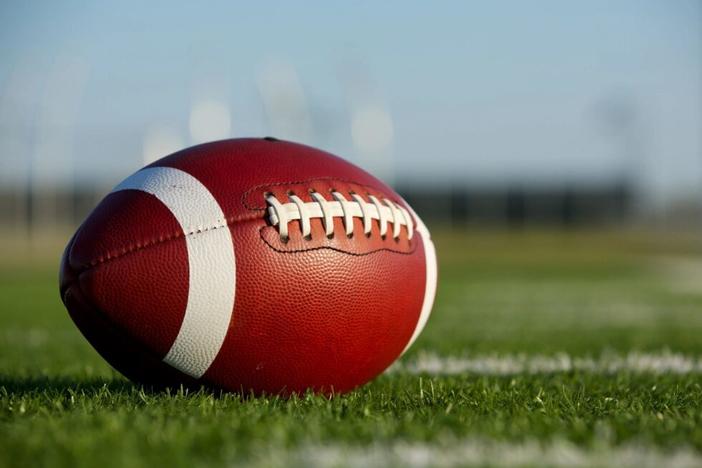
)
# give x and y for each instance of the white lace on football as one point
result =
(385, 212)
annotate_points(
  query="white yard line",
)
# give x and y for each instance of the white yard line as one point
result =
(683, 275)
(512, 364)
(471, 452)
(659, 362)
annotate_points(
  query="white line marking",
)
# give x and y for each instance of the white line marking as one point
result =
(210, 260)
(682, 275)
(514, 364)
(478, 452)
(430, 285)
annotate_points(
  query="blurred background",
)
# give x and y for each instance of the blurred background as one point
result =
(553, 147)
(503, 114)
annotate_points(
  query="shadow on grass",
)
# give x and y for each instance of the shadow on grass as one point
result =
(18, 385)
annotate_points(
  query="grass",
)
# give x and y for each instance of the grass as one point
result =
(533, 293)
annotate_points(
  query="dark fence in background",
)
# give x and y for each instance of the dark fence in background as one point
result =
(457, 205)
(521, 206)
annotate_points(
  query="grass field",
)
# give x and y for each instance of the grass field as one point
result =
(560, 349)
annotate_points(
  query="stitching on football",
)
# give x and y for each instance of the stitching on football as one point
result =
(163, 238)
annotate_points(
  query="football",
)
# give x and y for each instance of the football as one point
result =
(250, 265)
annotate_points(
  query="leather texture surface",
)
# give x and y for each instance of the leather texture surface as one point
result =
(326, 313)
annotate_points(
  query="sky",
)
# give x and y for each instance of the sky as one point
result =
(504, 92)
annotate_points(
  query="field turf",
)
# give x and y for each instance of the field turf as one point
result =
(544, 348)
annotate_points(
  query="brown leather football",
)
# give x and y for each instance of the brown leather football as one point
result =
(251, 265)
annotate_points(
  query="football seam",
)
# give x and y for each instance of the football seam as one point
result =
(107, 257)
(161, 239)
